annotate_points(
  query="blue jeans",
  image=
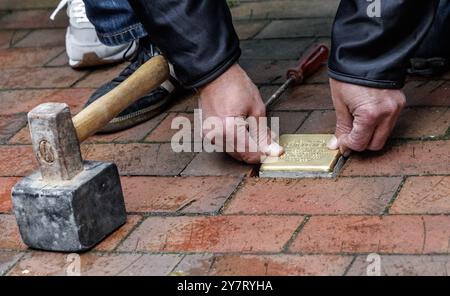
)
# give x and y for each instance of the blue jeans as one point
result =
(114, 21)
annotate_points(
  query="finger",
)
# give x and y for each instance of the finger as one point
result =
(344, 124)
(359, 137)
(382, 132)
(261, 133)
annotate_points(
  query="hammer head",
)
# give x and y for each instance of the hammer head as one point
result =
(68, 205)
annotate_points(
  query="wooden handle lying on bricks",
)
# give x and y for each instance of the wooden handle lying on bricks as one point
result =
(145, 79)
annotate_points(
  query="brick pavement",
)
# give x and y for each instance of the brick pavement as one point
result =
(199, 213)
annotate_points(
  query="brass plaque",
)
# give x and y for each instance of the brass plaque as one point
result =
(304, 153)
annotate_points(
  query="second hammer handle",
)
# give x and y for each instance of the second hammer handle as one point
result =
(146, 78)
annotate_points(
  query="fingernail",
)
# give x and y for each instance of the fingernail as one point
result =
(347, 153)
(274, 150)
(333, 143)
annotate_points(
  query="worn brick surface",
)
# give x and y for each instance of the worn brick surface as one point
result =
(427, 93)
(424, 122)
(10, 238)
(27, 57)
(267, 71)
(216, 164)
(21, 78)
(32, 19)
(140, 159)
(406, 158)
(248, 29)
(185, 194)
(289, 122)
(7, 260)
(16, 161)
(362, 234)
(95, 264)
(297, 28)
(43, 38)
(319, 122)
(27, 4)
(398, 265)
(164, 132)
(424, 195)
(6, 185)
(251, 265)
(344, 196)
(274, 49)
(10, 125)
(306, 97)
(100, 76)
(112, 241)
(22, 101)
(212, 234)
(10, 37)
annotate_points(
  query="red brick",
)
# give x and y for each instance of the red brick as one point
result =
(424, 195)
(298, 28)
(20, 78)
(16, 161)
(21, 101)
(134, 134)
(10, 125)
(32, 19)
(212, 234)
(100, 76)
(319, 122)
(306, 97)
(217, 164)
(185, 104)
(254, 265)
(7, 260)
(111, 242)
(9, 37)
(95, 264)
(140, 159)
(289, 121)
(164, 133)
(427, 93)
(185, 194)
(423, 122)
(367, 234)
(307, 196)
(404, 265)
(26, 4)
(27, 57)
(10, 238)
(43, 38)
(407, 158)
(266, 71)
(6, 185)
(59, 61)
(247, 30)
(321, 76)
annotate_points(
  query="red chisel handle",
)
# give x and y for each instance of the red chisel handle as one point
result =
(309, 63)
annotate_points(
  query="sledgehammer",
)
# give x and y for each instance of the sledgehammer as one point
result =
(70, 205)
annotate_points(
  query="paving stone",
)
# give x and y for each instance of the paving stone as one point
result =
(254, 265)
(403, 265)
(33, 19)
(423, 122)
(404, 158)
(140, 159)
(60, 61)
(305, 97)
(318, 27)
(183, 195)
(22, 101)
(10, 238)
(427, 93)
(319, 122)
(9, 37)
(27, 57)
(275, 49)
(285, 9)
(111, 242)
(10, 125)
(370, 234)
(164, 132)
(247, 30)
(314, 197)
(16, 161)
(267, 71)
(424, 195)
(43, 38)
(212, 234)
(7, 260)
(217, 164)
(185, 104)
(100, 76)
(27, 4)
(6, 185)
(95, 264)
(21, 78)
(289, 122)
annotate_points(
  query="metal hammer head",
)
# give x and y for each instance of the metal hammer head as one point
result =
(68, 205)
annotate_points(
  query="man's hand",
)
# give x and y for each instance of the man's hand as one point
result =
(234, 96)
(365, 116)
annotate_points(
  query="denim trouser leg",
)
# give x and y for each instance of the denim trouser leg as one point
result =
(115, 21)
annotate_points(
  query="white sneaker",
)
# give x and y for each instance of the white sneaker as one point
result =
(82, 44)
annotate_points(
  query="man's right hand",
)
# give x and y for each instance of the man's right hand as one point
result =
(234, 96)
(365, 116)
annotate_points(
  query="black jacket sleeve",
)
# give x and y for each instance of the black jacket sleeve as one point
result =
(197, 36)
(373, 50)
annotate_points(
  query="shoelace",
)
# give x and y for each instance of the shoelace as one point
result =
(76, 8)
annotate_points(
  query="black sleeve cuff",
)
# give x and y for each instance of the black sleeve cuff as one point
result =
(383, 84)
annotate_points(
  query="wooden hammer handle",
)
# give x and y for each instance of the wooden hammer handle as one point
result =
(145, 79)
